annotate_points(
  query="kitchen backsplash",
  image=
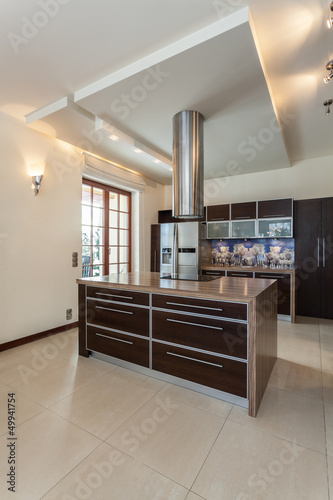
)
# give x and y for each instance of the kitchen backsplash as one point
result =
(254, 252)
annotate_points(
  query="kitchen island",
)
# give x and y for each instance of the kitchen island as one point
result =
(217, 337)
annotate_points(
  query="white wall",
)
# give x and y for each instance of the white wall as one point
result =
(304, 180)
(38, 234)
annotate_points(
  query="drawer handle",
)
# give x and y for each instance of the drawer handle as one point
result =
(113, 338)
(215, 274)
(117, 296)
(239, 274)
(190, 305)
(277, 215)
(195, 324)
(194, 359)
(217, 218)
(273, 277)
(114, 310)
(245, 217)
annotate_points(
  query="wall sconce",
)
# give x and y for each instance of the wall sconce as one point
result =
(329, 67)
(37, 174)
(330, 19)
(36, 182)
(328, 103)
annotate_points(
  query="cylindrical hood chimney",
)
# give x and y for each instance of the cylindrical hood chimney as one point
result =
(187, 159)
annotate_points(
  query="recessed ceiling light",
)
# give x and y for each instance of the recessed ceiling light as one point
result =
(157, 161)
(137, 150)
(114, 137)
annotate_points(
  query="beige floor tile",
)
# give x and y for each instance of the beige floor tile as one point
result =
(247, 464)
(328, 386)
(329, 428)
(302, 380)
(301, 353)
(171, 438)
(24, 409)
(63, 345)
(197, 400)
(55, 379)
(306, 332)
(100, 408)
(288, 416)
(193, 496)
(108, 474)
(330, 475)
(48, 448)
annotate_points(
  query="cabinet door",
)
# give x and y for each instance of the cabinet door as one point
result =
(243, 229)
(327, 259)
(214, 273)
(217, 230)
(284, 290)
(155, 248)
(218, 212)
(275, 208)
(307, 232)
(275, 228)
(244, 210)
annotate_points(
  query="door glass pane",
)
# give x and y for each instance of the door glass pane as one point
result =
(216, 230)
(123, 254)
(123, 220)
(98, 255)
(113, 219)
(86, 271)
(98, 270)
(86, 254)
(113, 236)
(86, 235)
(123, 237)
(113, 269)
(86, 194)
(98, 197)
(113, 255)
(113, 201)
(98, 236)
(123, 203)
(86, 215)
(123, 268)
(98, 216)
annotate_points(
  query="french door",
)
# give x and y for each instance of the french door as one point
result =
(106, 229)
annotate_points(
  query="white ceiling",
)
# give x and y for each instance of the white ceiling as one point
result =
(83, 71)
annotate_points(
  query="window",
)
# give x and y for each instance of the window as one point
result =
(106, 230)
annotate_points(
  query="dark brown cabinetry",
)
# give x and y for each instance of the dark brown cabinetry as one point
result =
(313, 229)
(218, 212)
(240, 274)
(244, 210)
(214, 273)
(166, 216)
(275, 208)
(155, 248)
(284, 290)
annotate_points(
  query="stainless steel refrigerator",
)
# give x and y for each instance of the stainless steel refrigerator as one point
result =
(180, 249)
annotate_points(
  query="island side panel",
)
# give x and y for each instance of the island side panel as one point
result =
(82, 321)
(262, 345)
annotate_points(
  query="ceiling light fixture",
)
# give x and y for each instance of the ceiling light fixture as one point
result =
(327, 104)
(114, 137)
(330, 19)
(329, 67)
(137, 150)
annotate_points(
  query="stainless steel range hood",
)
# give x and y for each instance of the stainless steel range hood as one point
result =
(187, 159)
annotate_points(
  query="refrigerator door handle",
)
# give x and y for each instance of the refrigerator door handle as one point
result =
(318, 252)
(175, 249)
(324, 260)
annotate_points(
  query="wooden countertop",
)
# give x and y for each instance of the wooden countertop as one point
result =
(254, 269)
(224, 288)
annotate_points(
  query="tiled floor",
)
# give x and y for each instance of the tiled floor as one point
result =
(89, 430)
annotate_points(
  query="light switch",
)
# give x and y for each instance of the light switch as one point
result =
(75, 259)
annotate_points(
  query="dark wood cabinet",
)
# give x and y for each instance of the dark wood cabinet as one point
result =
(155, 248)
(240, 274)
(275, 208)
(284, 290)
(218, 212)
(214, 273)
(246, 210)
(313, 227)
(165, 216)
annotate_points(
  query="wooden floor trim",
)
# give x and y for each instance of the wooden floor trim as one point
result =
(37, 336)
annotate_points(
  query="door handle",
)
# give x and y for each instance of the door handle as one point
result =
(324, 259)
(318, 251)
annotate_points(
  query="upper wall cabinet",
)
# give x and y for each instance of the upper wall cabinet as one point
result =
(218, 212)
(166, 216)
(246, 210)
(270, 209)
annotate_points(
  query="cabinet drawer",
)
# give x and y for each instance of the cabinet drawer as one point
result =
(240, 274)
(212, 371)
(201, 306)
(118, 317)
(118, 345)
(116, 295)
(214, 273)
(284, 290)
(215, 335)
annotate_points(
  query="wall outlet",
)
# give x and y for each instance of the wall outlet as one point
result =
(69, 313)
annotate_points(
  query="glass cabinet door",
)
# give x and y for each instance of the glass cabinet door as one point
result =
(275, 228)
(243, 229)
(217, 230)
